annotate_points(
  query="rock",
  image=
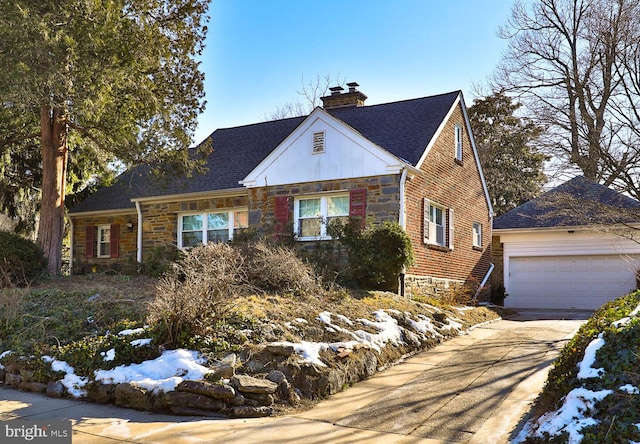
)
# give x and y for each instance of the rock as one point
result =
(284, 390)
(12, 379)
(127, 395)
(276, 376)
(251, 412)
(248, 384)
(222, 372)
(32, 386)
(192, 400)
(331, 383)
(261, 398)
(229, 359)
(215, 391)
(26, 374)
(440, 317)
(102, 393)
(370, 364)
(280, 350)
(55, 389)
(238, 400)
(254, 366)
(185, 411)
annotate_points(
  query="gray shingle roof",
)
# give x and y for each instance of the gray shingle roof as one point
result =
(577, 202)
(403, 128)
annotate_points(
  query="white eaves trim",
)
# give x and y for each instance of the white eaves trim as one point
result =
(230, 192)
(347, 154)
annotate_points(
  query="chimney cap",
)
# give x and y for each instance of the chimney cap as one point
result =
(335, 90)
(352, 86)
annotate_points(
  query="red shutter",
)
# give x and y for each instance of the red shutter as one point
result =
(90, 241)
(281, 213)
(358, 204)
(114, 233)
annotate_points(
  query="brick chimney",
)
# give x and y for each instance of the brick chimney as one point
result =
(339, 100)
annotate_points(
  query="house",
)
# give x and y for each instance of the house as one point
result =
(568, 248)
(411, 161)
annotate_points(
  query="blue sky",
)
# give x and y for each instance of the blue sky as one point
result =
(259, 51)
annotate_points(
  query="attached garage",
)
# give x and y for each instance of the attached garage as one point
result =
(570, 248)
(582, 282)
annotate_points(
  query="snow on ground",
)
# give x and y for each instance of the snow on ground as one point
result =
(161, 374)
(174, 366)
(388, 331)
(580, 402)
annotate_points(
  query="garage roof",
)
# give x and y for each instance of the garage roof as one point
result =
(578, 202)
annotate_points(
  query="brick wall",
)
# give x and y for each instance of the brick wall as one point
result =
(451, 184)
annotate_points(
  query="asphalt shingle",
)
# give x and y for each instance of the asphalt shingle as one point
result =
(577, 202)
(403, 128)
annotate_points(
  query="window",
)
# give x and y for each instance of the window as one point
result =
(318, 142)
(438, 225)
(477, 234)
(458, 142)
(202, 228)
(104, 241)
(314, 214)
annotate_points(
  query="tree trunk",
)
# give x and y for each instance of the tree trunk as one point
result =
(53, 141)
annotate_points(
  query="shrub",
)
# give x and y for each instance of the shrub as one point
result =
(196, 291)
(21, 260)
(375, 256)
(276, 268)
(158, 260)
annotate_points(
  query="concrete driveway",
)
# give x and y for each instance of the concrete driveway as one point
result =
(471, 389)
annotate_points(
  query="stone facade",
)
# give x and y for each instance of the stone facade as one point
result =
(160, 220)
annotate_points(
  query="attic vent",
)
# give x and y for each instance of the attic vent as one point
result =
(318, 142)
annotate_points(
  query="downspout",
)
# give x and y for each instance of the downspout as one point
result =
(484, 281)
(139, 240)
(72, 238)
(402, 221)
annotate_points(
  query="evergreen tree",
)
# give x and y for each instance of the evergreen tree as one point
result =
(91, 81)
(513, 168)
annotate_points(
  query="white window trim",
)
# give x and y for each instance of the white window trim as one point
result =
(429, 229)
(231, 212)
(323, 214)
(102, 228)
(477, 234)
(458, 142)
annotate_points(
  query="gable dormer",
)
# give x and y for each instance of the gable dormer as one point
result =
(322, 148)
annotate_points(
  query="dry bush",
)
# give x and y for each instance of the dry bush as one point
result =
(276, 268)
(462, 294)
(198, 290)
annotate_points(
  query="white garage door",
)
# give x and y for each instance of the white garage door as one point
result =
(584, 282)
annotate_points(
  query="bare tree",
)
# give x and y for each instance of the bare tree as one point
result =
(311, 93)
(575, 66)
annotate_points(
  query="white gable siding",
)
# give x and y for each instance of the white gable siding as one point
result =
(346, 154)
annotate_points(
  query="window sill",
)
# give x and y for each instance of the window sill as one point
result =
(475, 247)
(459, 162)
(438, 248)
